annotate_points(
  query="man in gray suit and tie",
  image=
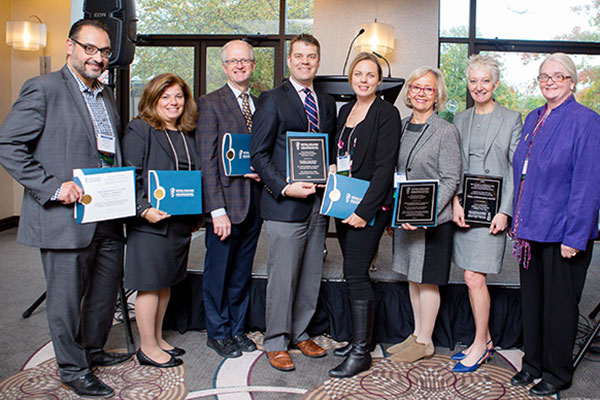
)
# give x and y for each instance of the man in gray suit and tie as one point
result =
(232, 221)
(60, 122)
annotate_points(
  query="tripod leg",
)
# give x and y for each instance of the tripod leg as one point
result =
(35, 305)
(126, 321)
(586, 345)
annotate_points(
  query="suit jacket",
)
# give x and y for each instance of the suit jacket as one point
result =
(218, 113)
(146, 148)
(278, 111)
(501, 140)
(47, 134)
(436, 155)
(376, 138)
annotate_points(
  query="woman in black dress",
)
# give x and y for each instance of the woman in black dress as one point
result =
(157, 243)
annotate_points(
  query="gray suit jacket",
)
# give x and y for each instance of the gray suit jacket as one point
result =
(47, 134)
(437, 156)
(500, 143)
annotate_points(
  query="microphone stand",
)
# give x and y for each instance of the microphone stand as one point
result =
(362, 30)
(386, 62)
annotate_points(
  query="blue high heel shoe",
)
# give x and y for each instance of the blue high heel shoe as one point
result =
(460, 367)
(461, 355)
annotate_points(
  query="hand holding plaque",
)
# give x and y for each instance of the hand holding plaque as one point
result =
(307, 157)
(481, 198)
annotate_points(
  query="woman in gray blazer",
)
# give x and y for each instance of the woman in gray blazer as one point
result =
(429, 149)
(489, 134)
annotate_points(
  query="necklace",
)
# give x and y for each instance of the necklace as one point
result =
(187, 151)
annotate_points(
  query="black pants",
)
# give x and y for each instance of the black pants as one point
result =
(358, 248)
(550, 293)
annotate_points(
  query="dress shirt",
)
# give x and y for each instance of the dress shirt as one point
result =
(561, 192)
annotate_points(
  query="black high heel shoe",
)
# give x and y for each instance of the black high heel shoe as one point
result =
(145, 360)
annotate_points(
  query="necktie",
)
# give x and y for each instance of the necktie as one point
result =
(310, 107)
(246, 111)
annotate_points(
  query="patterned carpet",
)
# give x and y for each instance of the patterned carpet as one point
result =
(237, 379)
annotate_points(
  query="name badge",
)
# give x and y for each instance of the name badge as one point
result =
(399, 177)
(106, 143)
(343, 165)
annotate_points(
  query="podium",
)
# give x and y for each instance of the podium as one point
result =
(339, 87)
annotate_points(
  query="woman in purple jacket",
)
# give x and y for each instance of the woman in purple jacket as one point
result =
(557, 196)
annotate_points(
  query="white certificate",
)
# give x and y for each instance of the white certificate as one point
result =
(108, 193)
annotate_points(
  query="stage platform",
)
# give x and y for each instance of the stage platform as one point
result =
(393, 316)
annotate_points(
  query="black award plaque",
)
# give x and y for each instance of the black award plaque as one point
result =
(481, 198)
(307, 157)
(416, 203)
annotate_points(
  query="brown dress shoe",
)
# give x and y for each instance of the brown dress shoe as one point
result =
(311, 349)
(281, 360)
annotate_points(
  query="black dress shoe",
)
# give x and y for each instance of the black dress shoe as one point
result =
(522, 378)
(224, 347)
(244, 344)
(89, 386)
(105, 358)
(543, 388)
(145, 360)
(175, 351)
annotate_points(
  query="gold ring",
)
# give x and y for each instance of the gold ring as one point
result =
(573, 254)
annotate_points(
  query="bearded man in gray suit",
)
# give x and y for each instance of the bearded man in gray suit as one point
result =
(60, 122)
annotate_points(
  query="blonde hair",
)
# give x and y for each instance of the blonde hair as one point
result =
(477, 61)
(440, 91)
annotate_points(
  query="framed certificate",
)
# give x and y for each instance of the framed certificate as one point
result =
(235, 154)
(481, 198)
(108, 193)
(175, 192)
(307, 157)
(416, 203)
(342, 195)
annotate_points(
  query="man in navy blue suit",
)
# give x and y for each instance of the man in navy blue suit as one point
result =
(291, 211)
(233, 224)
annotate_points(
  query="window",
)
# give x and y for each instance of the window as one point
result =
(511, 31)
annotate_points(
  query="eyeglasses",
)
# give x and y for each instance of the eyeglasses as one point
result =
(555, 77)
(414, 89)
(91, 50)
(234, 61)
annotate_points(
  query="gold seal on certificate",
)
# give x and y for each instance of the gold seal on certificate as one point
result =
(86, 199)
(307, 157)
(416, 203)
(481, 198)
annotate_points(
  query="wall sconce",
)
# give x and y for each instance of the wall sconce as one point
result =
(377, 38)
(29, 36)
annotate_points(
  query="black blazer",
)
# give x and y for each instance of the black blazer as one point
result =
(278, 111)
(146, 148)
(375, 153)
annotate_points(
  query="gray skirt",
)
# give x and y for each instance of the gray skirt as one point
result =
(478, 251)
(424, 255)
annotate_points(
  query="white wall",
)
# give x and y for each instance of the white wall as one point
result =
(336, 22)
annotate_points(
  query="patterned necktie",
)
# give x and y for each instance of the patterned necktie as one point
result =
(246, 111)
(310, 107)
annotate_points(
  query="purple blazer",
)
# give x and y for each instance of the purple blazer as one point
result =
(561, 192)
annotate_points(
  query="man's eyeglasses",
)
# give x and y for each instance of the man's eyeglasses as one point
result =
(414, 89)
(234, 61)
(555, 77)
(91, 50)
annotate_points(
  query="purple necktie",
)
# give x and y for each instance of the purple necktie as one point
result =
(310, 107)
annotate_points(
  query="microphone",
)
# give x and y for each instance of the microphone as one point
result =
(362, 30)
(386, 62)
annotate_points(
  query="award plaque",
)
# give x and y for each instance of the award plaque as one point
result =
(416, 203)
(481, 198)
(307, 157)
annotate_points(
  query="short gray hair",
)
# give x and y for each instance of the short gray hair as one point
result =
(477, 61)
(566, 62)
(440, 90)
(239, 41)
